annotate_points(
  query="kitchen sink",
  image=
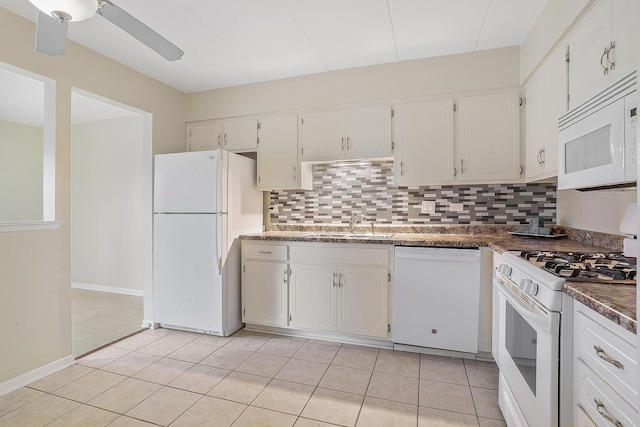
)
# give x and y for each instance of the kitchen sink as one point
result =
(339, 235)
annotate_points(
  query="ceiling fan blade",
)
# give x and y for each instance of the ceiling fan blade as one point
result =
(140, 31)
(51, 35)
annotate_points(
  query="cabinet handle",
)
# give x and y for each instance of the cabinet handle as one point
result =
(539, 155)
(342, 143)
(605, 414)
(542, 156)
(340, 280)
(225, 139)
(610, 56)
(264, 252)
(348, 139)
(455, 171)
(218, 140)
(461, 166)
(605, 67)
(604, 356)
(333, 280)
(284, 276)
(294, 172)
(401, 168)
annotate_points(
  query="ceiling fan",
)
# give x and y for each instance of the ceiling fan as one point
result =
(54, 16)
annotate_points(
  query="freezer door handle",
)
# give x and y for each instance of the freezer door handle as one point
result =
(216, 249)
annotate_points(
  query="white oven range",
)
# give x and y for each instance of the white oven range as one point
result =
(527, 315)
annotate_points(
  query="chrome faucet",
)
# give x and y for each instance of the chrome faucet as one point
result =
(355, 218)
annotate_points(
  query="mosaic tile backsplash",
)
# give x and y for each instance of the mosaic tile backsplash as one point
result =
(339, 192)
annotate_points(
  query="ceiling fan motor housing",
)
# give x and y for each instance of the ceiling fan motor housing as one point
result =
(67, 10)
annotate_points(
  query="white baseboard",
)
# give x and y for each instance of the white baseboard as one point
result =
(100, 288)
(36, 374)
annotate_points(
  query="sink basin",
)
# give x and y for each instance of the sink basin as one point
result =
(339, 235)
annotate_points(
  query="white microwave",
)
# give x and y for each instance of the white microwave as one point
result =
(598, 140)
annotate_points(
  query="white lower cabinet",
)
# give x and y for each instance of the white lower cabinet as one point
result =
(332, 288)
(264, 292)
(313, 297)
(605, 374)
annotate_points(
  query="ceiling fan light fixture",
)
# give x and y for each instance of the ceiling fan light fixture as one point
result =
(75, 10)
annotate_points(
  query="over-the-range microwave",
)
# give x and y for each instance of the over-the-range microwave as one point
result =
(598, 140)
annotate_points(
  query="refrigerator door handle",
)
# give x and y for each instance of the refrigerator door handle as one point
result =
(216, 249)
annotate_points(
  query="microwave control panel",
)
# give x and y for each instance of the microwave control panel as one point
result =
(631, 131)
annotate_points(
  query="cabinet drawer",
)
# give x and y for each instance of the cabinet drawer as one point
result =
(598, 400)
(607, 351)
(340, 254)
(265, 252)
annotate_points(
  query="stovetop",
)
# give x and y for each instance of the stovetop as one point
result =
(601, 267)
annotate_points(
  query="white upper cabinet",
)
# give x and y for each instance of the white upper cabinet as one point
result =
(546, 101)
(424, 142)
(368, 133)
(359, 133)
(240, 134)
(234, 135)
(278, 166)
(204, 135)
(603, 48)
(488, 138)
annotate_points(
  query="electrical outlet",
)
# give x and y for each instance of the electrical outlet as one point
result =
(428, 207)
(456, 207)
(274, 209)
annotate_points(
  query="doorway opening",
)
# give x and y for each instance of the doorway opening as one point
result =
(111, 228)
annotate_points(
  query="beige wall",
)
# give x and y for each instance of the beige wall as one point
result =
(20, 172)
(107, 209)
(596, 210)
(497, 68)
(35, 273)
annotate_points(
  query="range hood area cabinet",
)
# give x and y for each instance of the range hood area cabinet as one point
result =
(236, 135)
(278, 164)
(603, 48)
(339, 134)
(475, 139)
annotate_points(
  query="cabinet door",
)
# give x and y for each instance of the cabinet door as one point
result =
(265, 293)
(546, 102)
(363, 301)
(368, 133)
(322, 135)
(624, 32)
(240, 134)
(312, 296)
(278, 152)
(488, 131)
(587, 43)
(204, 135)
(424, 138)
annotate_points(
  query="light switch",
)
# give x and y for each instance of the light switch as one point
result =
(274, 209)
(428, 207)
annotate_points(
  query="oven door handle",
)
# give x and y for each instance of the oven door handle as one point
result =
(526, 310)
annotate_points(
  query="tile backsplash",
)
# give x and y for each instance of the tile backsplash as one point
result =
(339, 192)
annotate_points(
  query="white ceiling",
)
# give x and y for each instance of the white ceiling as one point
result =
(235, 42)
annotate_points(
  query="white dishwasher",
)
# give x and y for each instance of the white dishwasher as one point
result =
(436, 298)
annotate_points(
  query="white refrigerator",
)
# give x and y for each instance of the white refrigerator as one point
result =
(203, 201)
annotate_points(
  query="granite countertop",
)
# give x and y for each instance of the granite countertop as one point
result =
(615, 302)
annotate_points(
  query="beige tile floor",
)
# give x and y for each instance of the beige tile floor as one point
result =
(102, 317)
(164, 377)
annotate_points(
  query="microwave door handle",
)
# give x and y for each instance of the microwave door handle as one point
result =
(524, 309)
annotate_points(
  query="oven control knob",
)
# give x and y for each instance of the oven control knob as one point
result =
(528, 287)
(504, 269)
